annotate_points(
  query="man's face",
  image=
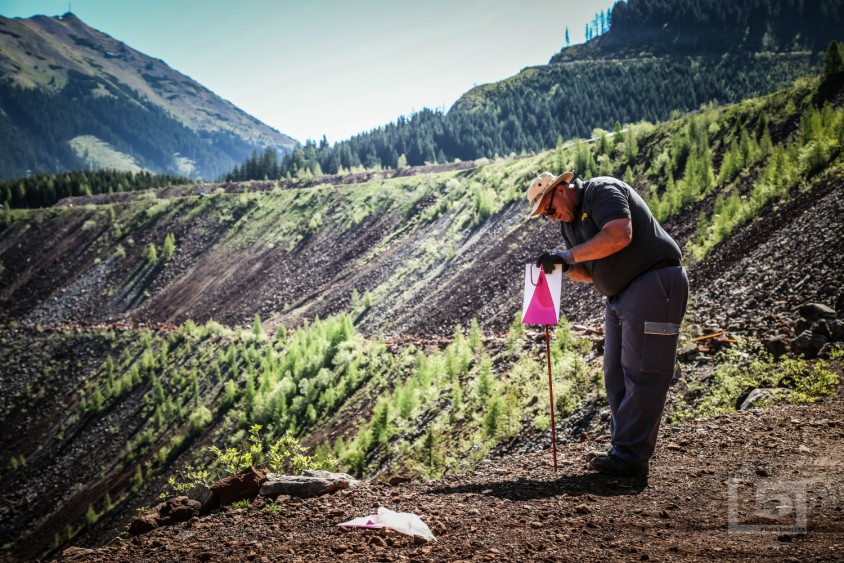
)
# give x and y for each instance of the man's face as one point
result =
(558, 207)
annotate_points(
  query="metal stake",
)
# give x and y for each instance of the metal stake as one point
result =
(551, 393)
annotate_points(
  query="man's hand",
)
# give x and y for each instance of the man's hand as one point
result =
(547, 261)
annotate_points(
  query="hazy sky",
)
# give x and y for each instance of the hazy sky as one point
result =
(317, 67)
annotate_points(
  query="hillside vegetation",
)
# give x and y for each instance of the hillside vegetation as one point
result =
(656, 59)
(327, 276)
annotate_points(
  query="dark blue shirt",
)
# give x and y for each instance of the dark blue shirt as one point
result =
(601, 200)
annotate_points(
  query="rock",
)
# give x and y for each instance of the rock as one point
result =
(582, 509)
(395, 481)
(74, 551)
(377, 541)
(837, 329)
(822, 327)
(760, 395)
(808, 343)
(171, 511)
(815, 311)
(777, 346)
(687, 352)
(233, 488)
(801, 325)
(306, 486)
(205, 497)
(826, 350)
(332, 475)
(144, 523)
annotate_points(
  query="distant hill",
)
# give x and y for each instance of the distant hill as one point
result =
(72, 97)
(658, 57)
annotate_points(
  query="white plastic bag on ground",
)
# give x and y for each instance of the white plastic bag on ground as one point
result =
(402, 522)
(405, 523)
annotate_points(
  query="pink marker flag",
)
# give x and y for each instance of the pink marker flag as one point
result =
(542, 307)
(542, 296)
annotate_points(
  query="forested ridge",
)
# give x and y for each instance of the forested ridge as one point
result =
(656, 58)
(721, 25)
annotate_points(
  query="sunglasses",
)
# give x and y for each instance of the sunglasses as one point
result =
(549, 209)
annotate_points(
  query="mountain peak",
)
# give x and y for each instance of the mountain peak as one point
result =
(75, 66)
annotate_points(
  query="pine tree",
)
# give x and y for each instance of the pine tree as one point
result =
(485, 379)
(492, 416)
(432, 450)
(258, 328)
(169, 247)
(833, 61)
(380, 422)
(150, 254)
(475, 337)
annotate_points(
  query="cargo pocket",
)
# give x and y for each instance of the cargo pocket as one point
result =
(660, 347)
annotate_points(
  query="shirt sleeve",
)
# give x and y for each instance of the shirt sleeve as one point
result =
(608, 204)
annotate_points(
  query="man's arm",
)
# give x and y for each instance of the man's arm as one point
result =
(613, 237)
(579, 273)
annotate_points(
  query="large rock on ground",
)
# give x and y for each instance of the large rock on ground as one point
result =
(308, 484)
(776, 345)
(760, 396)
(808, 343)
(233, 488)
(171, 511)
(815, 311)
(205, 497)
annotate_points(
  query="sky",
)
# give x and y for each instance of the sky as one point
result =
(336, 68)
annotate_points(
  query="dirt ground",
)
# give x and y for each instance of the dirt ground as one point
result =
(764, 484)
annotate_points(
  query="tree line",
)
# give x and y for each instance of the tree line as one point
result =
(667, 26)
(44, 190)
(530, 112)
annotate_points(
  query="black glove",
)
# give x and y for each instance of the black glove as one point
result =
(548, 260)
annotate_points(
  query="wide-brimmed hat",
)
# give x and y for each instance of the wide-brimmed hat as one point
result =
(543, 184)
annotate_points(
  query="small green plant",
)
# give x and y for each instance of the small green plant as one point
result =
(191, 476)
(241, 504)
(285, 454)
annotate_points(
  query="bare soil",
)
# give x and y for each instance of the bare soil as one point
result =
(776, 469)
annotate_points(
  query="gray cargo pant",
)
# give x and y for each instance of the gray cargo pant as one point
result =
(642, 328)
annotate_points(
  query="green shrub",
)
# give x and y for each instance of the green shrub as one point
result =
(198, 420)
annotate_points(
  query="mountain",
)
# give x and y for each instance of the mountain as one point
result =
(375, 316)
(73, 97)
(656, 59)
